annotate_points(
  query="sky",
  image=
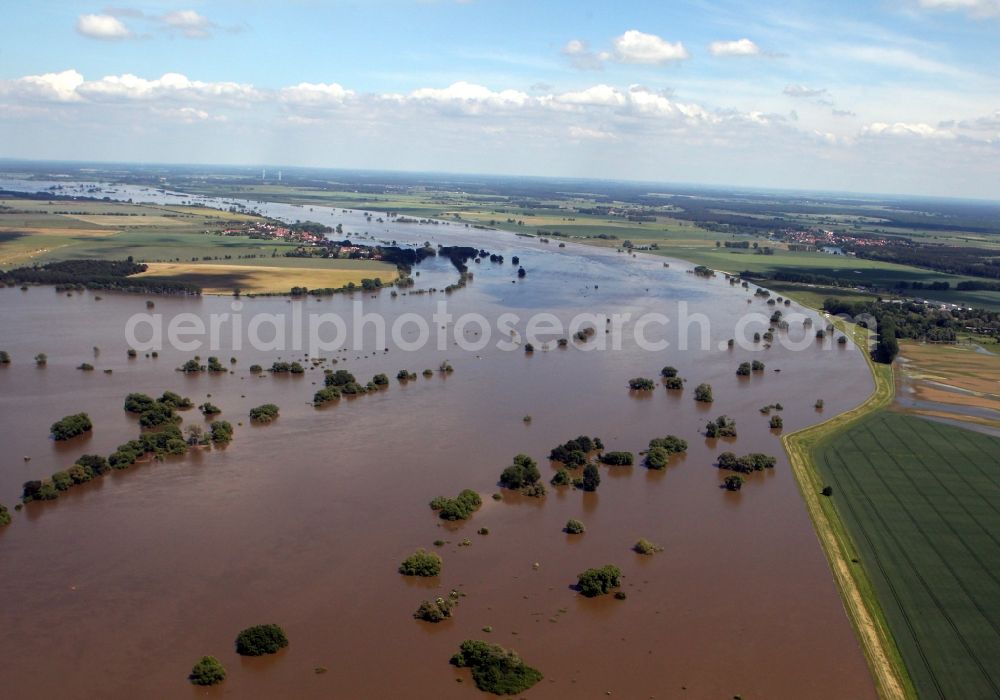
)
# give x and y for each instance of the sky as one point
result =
(883, 96)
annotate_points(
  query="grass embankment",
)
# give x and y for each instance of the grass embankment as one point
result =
(863, 608)
(267, 279)
(918, 497)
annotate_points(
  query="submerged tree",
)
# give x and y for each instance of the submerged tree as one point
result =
(495, 669)
(703, 393)
(261, 639)
(599, 581)
(421, 563)
(208, 671)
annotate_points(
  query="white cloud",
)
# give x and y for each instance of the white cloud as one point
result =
(596, 95)
(104, 27)
(739, 47)
(974, 8)
(189, 23)
(55, 87)
(316, 94)
(637, 47)
(904, 129)
(803, 91)
(70, 86)
(471, 98)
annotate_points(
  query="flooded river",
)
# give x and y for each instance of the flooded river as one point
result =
(119, 586)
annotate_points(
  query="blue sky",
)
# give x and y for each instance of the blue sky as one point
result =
(884, 96)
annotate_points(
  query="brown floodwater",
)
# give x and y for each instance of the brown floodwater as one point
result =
(119, 586)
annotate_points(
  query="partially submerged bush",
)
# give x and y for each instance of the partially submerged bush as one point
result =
(733, 482)
(495, 669)
(753, 462)
(208, 671)
(723, 426)
(459, 508)
(662, 449)
(264, 414)
(561, 478)
(573, 453)
(326, 395)
(668, 372)
(617, 459)
(598, 581)
(644, 546)
(673, 383)
(522, 475)
(261, 639)
(221, 432)
(574, 527)
(591, 477)
(641, 384)
(421, 563)
(703, 393)
(71, 426)
(436, 610)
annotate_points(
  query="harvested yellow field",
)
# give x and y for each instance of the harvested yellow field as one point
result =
(263, 279)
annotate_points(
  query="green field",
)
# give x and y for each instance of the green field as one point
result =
(920, 501)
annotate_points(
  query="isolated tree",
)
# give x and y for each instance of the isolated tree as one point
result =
(261, 639)
(703, 393)
(208, 671)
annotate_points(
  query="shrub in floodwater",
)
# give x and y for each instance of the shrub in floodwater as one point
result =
(495, 669)
(641, 384)
(221, 432)
(598, 581)
(561, 478)
(459, 508)
(723, 426)
(673, 383)
(703, 393)
(668, 372)
(435, 610)
(777, 423)
(574, 527)
(591, 477)
(644, 546)
(522, 473)
(264, 414)
(71, 426)
(617, 459)
(733, 482)
(261, 639)
(208, 671)
(421, 563)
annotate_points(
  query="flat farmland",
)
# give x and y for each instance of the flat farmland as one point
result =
(920, 501)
